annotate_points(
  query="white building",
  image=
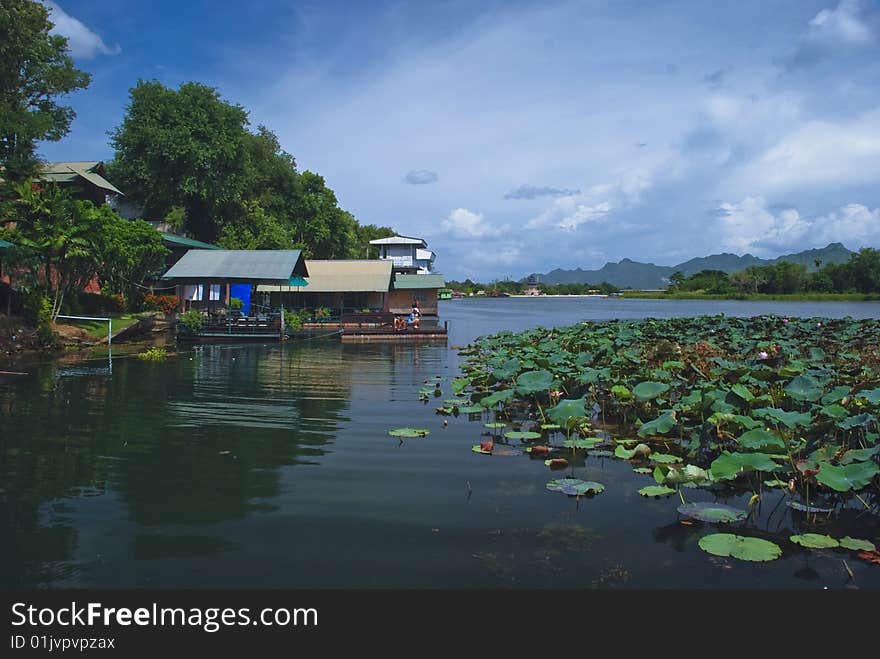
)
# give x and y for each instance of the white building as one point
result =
(406, 254)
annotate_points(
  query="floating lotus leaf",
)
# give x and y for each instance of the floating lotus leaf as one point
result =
(584, 442)
(575, 486)
(476, 448)
(776, 483)
(656, 491)
(804, 387)
(495, 424)
(759, 439)
(471, 409)
(498, 397)
(659, 426)
(728, 466)
(550, 426)
(712, 512)
(497, 450)
(623, 453)
(746, 422)
(649, 390)
(737, 546)
(621, 392)
(835, 395)
(857, 545)
(815, 541)
(853, 476)
(626, 442)
(665, 458)
(522, 434)
(602, 454)
(409, 432)
(507, 370)
(533, 382)
(457, 402)
(643, 470)
(788, 419)
(567, 410)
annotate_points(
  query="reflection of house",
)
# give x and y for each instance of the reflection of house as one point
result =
(84, 179)
(343, 286)
(407, 254)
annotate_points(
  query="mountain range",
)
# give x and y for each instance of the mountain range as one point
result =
(633, 274)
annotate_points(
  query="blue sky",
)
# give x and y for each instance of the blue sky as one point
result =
(517, 137)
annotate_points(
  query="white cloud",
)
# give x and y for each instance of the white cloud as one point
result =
(749, 226)
(568, 213)
(81, 40)
(462, 222)
(843, 23)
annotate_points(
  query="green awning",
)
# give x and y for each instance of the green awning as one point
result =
(402, 281)
(5, 245)
(186, 242)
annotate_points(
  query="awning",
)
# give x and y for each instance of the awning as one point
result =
(5, 245)
(352, 276)
(256, 266)
(186, 242)
(402, 281)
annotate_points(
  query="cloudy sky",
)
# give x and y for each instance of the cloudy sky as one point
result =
(517, 137)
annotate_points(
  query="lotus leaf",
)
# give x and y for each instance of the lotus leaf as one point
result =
(665, 458)
(788, 419)
(643, 470)
(656, 491)
(853, 476)
(649, 390)
(815, 541)
(871, 395)
(495, 425)
(575, 486)
(835, 411)
(712, 512)
(857, 545)
(522, 434)
(835, 395)
(797, 505)
(584, 442)
(761, 440)
(408, 432)
(567, 410)
(621, 392)
(737, 546)
(856, 421)
(859, 455)
(471, 409)
(743, 392)
(776, 483)
(659, 426)
(533, 382)
(728, 466)
(804, 387)
(459, 384)
(680, 475)
(498, 397)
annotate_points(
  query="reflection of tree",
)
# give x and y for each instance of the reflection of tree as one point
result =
(677, 535)
(182, 442)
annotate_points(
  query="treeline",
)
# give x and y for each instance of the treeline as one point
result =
(469, 287)
(189, 157)
(859, 275)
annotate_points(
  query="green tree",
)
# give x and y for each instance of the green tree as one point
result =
(35, 71)
(128, 251)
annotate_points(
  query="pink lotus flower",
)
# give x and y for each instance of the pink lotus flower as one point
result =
(818, 324)
(763, 355)
(785, 320)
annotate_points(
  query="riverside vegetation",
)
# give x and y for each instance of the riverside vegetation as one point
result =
(727, 405)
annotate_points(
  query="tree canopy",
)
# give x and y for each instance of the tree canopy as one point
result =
(35, 70)
(189, 155)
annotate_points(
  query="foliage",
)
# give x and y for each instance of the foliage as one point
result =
(167, 304)
(153, 355)
(192, 320)
(189, 156)
(737, 546)
(36, 70)
(235, 303)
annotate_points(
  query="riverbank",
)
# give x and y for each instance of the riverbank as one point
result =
(764, 297)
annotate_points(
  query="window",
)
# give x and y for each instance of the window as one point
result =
(192, 292)
(215, 292)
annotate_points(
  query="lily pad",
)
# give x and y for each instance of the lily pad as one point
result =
(659, 426)
(504, 451)
(471, 409)
(656, 491)
(550, 426)
(665, 458)
(649, 390)
(804, 387)
(804, 508)
(498, 397)
(522, 434)
(409, 432)
(495, 424)
(533, 382)
(737, 546)
(728, 466)
(712, 512)
(815, 541)
(776, 483)
(761, 440)
(788, 419)
(584, 442)
(853, 476)
(567, 410)
(857, 545)
(643, 470)
(575, 486)
(680, 475)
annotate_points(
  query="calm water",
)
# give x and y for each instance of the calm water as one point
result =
(270, 466)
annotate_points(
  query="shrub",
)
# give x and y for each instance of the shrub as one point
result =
(235, 303)
(192, 320)
(167, 304)
(153, 355)
(114, 302)
(322, 313)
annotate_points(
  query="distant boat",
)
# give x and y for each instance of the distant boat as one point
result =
(444, 294)
(497, 294)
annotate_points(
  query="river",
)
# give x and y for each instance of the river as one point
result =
(270, 466)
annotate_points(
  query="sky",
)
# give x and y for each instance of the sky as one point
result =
(518, 137)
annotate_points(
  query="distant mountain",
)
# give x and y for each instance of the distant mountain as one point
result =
(633, 274)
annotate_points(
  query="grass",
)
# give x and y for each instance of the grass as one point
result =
(791, 297)
(97, 329)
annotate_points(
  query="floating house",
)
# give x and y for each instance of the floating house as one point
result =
(204, 279)
(414, 279)
(406, 254)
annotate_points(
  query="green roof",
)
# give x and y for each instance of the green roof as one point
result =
(418, 281)
(186, 242)
(4, 244)
(65, 172)
(257, 266)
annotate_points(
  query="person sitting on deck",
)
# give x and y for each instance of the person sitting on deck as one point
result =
(399, 324)
(413, 319)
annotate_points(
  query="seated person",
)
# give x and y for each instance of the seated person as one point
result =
(413, 320)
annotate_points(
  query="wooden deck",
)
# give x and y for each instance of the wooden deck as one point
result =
(235, 329)
(430, 329)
